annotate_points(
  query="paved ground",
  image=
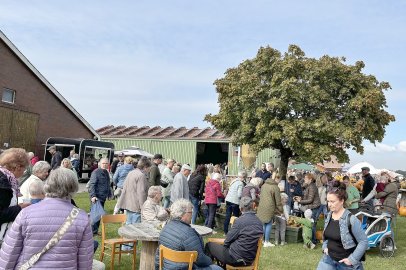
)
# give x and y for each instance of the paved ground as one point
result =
(82, 187)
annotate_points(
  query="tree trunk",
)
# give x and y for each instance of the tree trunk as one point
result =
(283, 166)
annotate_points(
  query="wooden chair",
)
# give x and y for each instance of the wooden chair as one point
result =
(176, 256)
(255, 264)
(115, 244)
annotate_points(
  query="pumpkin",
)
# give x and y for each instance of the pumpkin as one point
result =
(319, 235)
(402, 211)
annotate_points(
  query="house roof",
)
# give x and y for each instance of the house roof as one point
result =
(45, 81)
(158, 132)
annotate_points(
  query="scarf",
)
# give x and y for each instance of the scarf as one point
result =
(12, 180)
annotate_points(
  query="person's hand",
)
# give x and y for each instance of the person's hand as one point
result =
(325, 251)
(24, 205)
(298, 199)
(291, 190)
(346, 261)
(94, 199)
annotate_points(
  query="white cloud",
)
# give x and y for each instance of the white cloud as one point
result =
(379, 148)
(401, 146)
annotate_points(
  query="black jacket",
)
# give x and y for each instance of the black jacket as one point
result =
(99, 184)
(7, 213)
(242, 239)
(369, 184)
(196, 186)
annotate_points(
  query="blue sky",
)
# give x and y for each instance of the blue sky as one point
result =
(154, 62)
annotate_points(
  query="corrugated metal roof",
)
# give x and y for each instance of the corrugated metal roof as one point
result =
(158, 132)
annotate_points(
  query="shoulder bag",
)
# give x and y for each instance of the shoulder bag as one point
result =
(54, 240)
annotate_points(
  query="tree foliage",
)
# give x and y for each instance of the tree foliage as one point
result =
(306, 107)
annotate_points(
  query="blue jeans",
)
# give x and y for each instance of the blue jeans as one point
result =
(315, 216)
(231, 208)
(195, 202)
(326, 263)
(132, 217)
(166, 201)
(268, 230)
(322, 209)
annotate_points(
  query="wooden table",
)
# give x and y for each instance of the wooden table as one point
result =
(148, 234)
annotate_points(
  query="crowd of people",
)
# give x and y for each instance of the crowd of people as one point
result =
(35, 208)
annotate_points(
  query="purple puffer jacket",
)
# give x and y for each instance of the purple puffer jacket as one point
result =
(34, 227)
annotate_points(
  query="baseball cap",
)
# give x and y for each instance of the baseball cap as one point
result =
(52, 147)
(186, 167)
(365, 168)
(121, 154)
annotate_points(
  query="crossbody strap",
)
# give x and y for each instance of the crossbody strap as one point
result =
(54, 240)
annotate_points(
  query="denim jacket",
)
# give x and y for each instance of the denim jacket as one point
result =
(346, 238)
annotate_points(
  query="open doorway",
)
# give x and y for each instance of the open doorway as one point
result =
(216, 153)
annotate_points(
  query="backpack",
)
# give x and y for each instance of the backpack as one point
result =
(363, 258)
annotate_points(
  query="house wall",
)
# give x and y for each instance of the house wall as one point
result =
(54, 118)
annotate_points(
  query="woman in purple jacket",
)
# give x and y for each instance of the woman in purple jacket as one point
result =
(37, 224)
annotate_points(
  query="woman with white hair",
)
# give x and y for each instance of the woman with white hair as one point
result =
(151, 210)
(179, 235)
(252, 188)
(54, 228)
(233, 198)
(213, 194)
(40, 173)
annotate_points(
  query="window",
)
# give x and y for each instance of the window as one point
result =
(8, 96)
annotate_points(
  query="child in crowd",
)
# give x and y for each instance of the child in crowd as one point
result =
(37, 192)
(307, 225)
(281, 221)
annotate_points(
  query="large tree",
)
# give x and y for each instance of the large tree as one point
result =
(307, 108)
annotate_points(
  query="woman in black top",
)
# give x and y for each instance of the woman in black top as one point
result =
(344, 241)
(196, 188)
(13, 163)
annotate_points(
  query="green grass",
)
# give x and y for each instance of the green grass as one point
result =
(291, 256)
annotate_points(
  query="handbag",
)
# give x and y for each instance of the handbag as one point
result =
(54, 240)
(163, 183)
(96, 211)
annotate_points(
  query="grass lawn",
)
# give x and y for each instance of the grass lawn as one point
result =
(291, 256)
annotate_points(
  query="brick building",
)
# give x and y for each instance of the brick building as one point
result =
(31, 109)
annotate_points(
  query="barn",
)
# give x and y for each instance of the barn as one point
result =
(31, 109)
(185, 145)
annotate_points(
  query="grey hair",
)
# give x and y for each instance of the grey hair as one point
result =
(40, 166)
(143, 163)
(30, 155)
(180, 207)
(153, 190)
(256, 181)
(284, 196)
(36, 188)
(75, 156)
(242, 174)
(246, 204)
(103, 159)
(61, 183)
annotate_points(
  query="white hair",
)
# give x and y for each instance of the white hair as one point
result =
(256, 181)
(153, 190)
(36, 188)
(242, 174)
(40, 166)
(180, 207)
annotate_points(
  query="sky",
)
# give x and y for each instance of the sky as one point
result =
(154, 62)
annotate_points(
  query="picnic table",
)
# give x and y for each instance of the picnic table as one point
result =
(148, 234)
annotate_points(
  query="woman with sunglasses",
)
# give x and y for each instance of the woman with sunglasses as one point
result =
(344, 241)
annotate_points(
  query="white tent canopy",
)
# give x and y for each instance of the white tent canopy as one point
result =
(134, 151)
(357, 168)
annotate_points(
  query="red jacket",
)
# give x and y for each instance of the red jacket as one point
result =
(212, 192)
